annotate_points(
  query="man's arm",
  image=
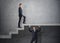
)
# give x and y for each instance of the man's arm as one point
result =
(38, 30)
(30, 30)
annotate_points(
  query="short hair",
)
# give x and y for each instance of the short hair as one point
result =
(20, 3)
(35, 27)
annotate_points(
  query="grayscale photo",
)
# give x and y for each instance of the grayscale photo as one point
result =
(29, 21)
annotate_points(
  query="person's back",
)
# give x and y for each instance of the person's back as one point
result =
(20, 11)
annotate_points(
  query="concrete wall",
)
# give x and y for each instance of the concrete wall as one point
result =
(36, 12)
(42, 11)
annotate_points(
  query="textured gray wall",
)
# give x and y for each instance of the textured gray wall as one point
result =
(42, 11)
(36, 12)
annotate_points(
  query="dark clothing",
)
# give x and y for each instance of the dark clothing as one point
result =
(20, 16)
(34, 35)
(20, 11)
(19, 21)
(34, 39)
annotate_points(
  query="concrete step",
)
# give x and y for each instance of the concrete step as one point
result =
(16, 32)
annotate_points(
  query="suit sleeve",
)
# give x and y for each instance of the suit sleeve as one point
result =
(30, 30)
(39, 30)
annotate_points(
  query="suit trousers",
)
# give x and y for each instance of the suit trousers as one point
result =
(34, 39)
(20, 17)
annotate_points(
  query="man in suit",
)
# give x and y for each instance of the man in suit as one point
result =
(34, 32)
(20, 15)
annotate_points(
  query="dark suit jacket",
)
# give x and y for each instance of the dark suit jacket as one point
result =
(20, 11)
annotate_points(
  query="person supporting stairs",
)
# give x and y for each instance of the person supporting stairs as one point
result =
(34, 32)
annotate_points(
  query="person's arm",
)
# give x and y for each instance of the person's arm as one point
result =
(38, 30)
(30, 30)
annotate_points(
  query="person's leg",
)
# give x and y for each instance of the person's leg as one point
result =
(19, 21)
(24, 18)
(32, 40)
(36, 40)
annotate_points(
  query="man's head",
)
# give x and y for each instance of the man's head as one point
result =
(34, 28)
(20, 4)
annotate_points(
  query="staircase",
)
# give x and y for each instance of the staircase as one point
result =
(50, 34)
(23, 34)
(18, 29)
